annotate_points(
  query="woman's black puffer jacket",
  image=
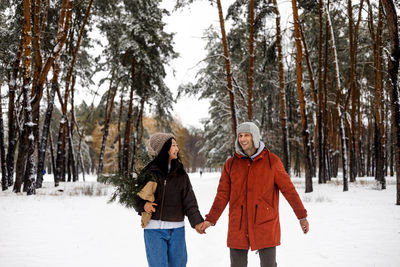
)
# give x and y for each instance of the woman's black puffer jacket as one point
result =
(174, 195)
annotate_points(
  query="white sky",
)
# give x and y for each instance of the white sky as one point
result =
(188, 25)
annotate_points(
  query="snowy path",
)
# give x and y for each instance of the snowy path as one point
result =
(357, 228)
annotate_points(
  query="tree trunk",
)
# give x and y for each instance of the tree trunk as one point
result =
(28, 123)
(120, 131)
(327, 117)
(53, 163)
(81, 136)
(391, 153)
(369, 167)
(338, 99)
(4, 177)
(352, 90)
(314, 95)
(81, 159)
(138, 138)
(63, 132)
(228, 72)
(251, 62)
(358, 146)
(46, 129)
(108, 114)
(393, 70)
(60, 158)
(300, 93)
(282, 93)
(11, 116)
(21, 161)
(379, 101)
(128, 126)
(73, 164)
(71, 155)
(37, 66)
(320, 106)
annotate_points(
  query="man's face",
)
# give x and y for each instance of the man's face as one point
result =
(246, 141)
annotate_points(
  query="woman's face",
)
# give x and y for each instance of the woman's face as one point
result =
(173, 151)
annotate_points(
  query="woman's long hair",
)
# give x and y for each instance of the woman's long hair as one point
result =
(161, 160)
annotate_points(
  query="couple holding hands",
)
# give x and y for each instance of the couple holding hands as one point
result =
(250, 182)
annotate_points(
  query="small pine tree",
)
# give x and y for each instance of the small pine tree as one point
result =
(127, 186)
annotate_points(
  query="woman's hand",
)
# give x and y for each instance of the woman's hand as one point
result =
(199, 228)
(149, 207)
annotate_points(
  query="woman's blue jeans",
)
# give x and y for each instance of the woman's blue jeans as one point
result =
(165, 247)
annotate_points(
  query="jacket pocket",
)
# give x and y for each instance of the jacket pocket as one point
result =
(263, 213)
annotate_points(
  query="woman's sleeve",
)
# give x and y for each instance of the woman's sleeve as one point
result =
(190, 205)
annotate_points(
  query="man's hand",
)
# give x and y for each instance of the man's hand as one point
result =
(205, 225)
(149, 207)
(199, 228)
(304, 225)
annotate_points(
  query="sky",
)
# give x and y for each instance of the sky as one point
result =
(188, 24)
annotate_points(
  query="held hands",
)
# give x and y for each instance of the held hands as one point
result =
(201, 227)
(304, 225)
(149, 207)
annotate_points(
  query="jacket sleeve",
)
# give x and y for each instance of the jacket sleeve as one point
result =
(190, 206)
(285, 185)
(222, 197)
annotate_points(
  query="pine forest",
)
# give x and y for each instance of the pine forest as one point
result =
(323, 87)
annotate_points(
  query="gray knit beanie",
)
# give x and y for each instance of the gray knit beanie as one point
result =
(248, 127)
(157, 141)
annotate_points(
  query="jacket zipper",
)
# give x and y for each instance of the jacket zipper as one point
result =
(241, 217)
(255, 215)
(162, 199)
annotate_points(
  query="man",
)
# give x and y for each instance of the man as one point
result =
(250, 182)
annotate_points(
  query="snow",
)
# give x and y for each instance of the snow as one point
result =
(56, 48)
(12, 82)
(360, 227)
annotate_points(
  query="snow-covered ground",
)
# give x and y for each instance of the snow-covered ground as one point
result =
(356, 228)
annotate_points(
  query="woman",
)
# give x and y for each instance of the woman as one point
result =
(164, 235)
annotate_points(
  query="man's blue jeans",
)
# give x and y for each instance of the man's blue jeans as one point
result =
(165, 247)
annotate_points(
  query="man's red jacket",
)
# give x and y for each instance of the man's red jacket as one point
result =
(252, 189)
